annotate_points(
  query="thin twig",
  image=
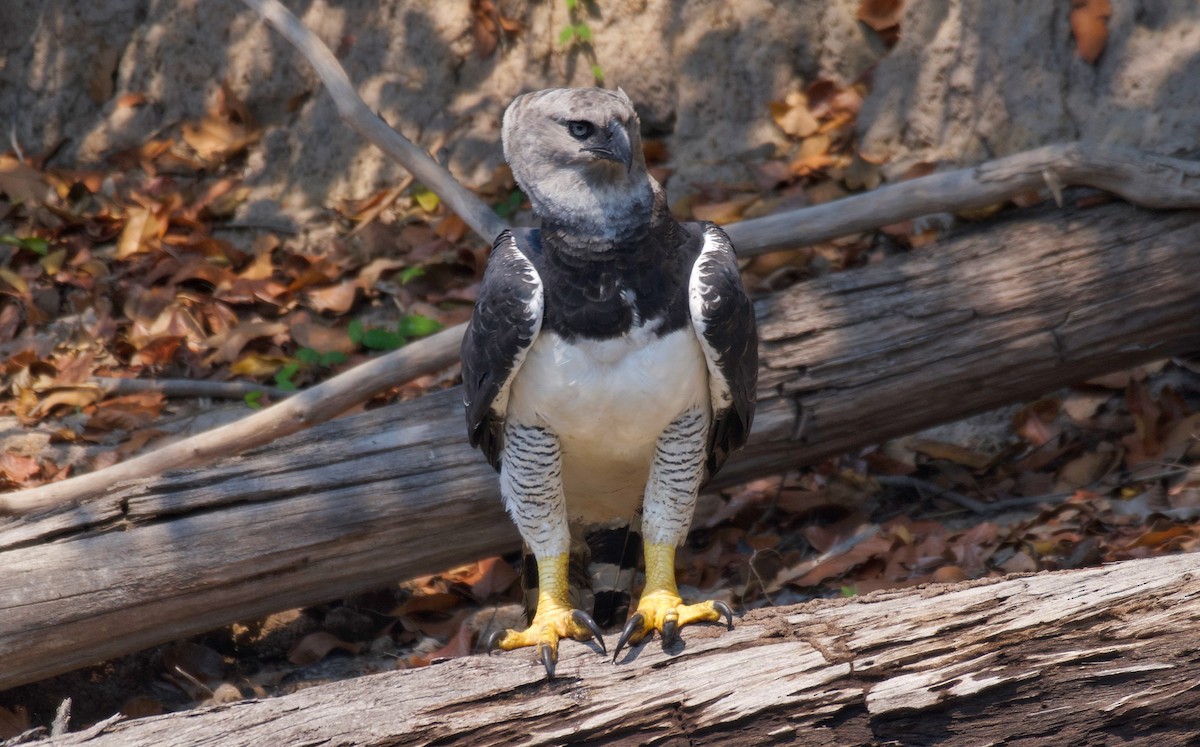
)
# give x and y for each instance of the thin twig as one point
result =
(864, 533)
(924, 486)
(482, 220)
(185, 387)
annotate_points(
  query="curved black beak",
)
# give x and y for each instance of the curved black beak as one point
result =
(616, 146)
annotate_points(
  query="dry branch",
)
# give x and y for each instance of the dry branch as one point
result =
(1006, 312)
(1095, 656)
(188, 388)
(354, 111)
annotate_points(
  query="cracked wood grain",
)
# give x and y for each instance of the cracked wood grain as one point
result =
(393, 493)
(1048, 659)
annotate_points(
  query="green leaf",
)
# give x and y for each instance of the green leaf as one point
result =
(506, 207)
(412, 273)
(308, 356)
(333, 358)
(848, 591)
(355, 331)
(283, 377)
(35, 244)
(571, 4)
(382, 339)
(597, 73)
(254, 400)
(426, 199)
(583, 32)
(415, 325)
(565, 35)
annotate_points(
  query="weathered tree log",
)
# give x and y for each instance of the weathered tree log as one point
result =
(1096, 656)
(1030, 304)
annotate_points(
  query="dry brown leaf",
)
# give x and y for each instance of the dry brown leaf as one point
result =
(127, 413)
(494, 576)
(70, 397)
(13, 722)
(22, 183)
(141, 706)
(1089, 26)
(862, 174)
(230, 344)
(141, 226)
(880, 15)
(951, 452)
(316, 646)
(1083, 470)
(311, 334)
(156, 352)
(129, 100)
(1083, 406)
(226, 129)
(258, 366)
(17, 468)
(792, 115)
(1035, 421)
(337, 299)
(459, 645)
(725, 211)
(488, 24)
(451, 228)
(813, 155)
(199, 661)
(442, 601)
(1182, 437)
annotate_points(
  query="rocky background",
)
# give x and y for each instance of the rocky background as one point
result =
(968, 80)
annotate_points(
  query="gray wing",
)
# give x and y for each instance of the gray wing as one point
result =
(506, 321)
(723, 318)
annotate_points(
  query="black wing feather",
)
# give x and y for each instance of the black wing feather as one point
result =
(723, 317)
(507, 318)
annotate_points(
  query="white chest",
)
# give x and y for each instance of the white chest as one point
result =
(617, 395)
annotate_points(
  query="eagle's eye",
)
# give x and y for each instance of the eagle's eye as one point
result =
(580, 130)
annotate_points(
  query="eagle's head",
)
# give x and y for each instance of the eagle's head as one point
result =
(577, 155)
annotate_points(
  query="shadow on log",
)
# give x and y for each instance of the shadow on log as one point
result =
(1018, 308)
(1098, 656)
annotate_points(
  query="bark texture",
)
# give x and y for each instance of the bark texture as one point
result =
(1031, 304)
(1098, 656)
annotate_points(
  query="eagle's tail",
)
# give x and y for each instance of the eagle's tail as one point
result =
(601, 572)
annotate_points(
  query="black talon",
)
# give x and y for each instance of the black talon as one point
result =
(493, 639)
(670, 631)
(582, 618)
(549, 659)
(724, 610)
(633, 625)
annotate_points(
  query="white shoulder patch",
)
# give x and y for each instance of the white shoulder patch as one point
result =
(702, 298)
(534, 313)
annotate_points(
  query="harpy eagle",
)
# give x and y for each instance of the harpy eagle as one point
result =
(610, 363)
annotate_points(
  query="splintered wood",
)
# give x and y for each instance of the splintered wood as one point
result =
(1080, 657)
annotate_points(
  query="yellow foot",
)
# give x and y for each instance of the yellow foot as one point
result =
(548, 626)
(665, 612)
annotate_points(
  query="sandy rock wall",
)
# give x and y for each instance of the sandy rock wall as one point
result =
(973, 79)
(702, 71)
(969, 79)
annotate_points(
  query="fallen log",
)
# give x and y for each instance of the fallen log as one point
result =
(1094, 656)
(1007, 311)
